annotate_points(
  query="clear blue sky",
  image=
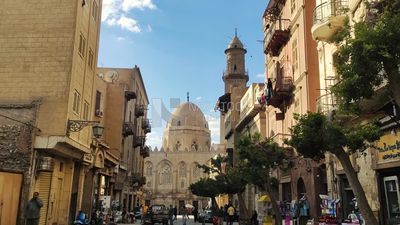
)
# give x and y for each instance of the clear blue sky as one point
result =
(179, 46)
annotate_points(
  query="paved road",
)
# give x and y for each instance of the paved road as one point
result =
(190, 221)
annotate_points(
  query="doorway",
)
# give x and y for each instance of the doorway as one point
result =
(10, 187)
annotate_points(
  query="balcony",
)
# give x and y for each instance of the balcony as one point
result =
(139, 141)
(139, 111)
(129, 95)
(128, 129)
(250, 105)
(282, 85)
(137, 180)
(146, 126)
(228, 124)
(326, 103)
(145, 151)
(277, 35)
(329, 17)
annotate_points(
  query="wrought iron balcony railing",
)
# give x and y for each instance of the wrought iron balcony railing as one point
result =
(146, 126)
(128, 129)
(277, 35)
(139, 111)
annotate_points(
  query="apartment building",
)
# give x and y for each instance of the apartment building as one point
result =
(292, 87)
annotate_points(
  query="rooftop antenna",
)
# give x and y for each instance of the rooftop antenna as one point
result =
(235, 32)
(187, 96)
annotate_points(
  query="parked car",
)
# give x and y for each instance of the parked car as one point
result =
(206, 216)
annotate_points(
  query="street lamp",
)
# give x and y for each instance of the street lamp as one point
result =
(78, 125)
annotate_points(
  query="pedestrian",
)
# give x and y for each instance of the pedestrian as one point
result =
(195, 214)
(203, 216)
(254, 218)
(220, 215)
(231, 214)
(175, 213)
(184, 214)
(32, 211)
(171, 215)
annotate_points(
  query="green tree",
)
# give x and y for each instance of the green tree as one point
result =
(369, 56)
(258, 158)
(206, 187)
(339, 141)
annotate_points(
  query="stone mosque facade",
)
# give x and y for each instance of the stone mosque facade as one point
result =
(170, 170)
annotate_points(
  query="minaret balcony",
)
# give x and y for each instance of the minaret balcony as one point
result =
(282, 86)
(276, 37)
(329, 17)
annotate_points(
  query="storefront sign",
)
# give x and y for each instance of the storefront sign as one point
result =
(389, 147)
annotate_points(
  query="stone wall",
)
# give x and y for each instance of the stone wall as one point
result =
(16, 150)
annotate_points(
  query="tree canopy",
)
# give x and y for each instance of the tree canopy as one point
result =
(369, 56)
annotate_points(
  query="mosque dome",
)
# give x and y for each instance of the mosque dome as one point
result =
(188, 114)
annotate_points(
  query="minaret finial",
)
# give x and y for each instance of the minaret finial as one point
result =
(235, 32)
(187, 96)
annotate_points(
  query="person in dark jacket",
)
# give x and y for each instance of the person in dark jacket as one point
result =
(32, 211)
(254, 218)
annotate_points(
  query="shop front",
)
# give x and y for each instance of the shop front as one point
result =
(388, 175)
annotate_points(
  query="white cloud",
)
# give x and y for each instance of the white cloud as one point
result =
(114, 13)
(120, 38)
(149, 28)
(154, 139)
(213, 125)
(137, 4)
(128, 24)
(198, 98)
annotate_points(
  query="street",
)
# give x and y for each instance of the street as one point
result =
(179, 221)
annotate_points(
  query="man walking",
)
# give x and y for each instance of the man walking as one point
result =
(175, 213)
(171, 215)
(32, 211)
(231, 214)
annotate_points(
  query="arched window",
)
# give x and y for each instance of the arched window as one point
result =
(196, 171)
(234, 67)
(149, 170)
(178, 123)
(182, 183)
(182, 170)
(165, 175)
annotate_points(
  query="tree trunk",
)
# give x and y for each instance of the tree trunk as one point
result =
(244, 215)
(275, 207)
(358, 190)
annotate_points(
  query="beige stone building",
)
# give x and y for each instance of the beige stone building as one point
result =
(377, 169)
(292, 84)
(126, 126)
(170, 171)
(50, 58)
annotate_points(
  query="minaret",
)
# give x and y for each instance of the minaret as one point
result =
(235, 74)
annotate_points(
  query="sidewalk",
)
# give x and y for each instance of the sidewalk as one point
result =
(190, 221)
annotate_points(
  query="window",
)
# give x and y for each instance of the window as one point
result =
(179, 123)
(98, 110)
(182, 183)
(149, 170)
(95, 9)
(196, 171)
(166, 176)
(295, 60)
(77, 102)
(82, 45)
(182, 170)
(86, 110)
(292, 6)
(91, 59)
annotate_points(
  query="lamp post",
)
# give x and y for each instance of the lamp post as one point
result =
(78, 125)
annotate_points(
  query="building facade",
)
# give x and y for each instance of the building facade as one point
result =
(50, 59)
(376, 167)
(292, 87)
(170, 171)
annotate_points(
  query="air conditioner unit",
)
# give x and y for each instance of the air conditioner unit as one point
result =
(98, 113)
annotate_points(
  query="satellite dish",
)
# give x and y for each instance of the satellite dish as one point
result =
(110, 76)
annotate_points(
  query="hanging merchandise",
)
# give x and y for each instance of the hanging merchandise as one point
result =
(328, 211)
